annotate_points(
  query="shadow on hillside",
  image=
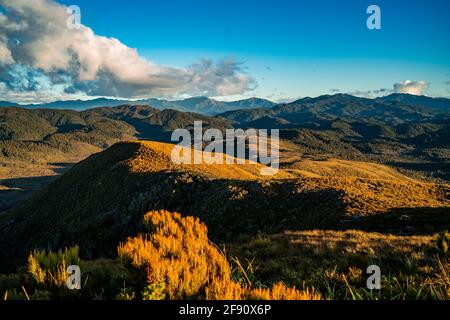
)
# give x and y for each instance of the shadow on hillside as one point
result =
(16, 190)
(439, 170)
(154, 133)
(61, 167)
(11, 197)
(98, 213)
(232, 208)
(405, 221)
(150, 132)
(32, 183)
(19, 189)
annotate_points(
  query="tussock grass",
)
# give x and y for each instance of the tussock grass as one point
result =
(335, 263)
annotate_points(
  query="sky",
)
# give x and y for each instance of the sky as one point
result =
(227, 49)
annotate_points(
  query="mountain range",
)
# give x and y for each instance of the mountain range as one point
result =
(201, 105)
(386, 130)
(208, 106)
(394, 109)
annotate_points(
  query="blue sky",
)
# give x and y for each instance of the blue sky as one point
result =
(291, 48)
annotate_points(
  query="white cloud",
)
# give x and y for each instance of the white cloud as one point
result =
(5, 54)
(411, 87)
(34, 35)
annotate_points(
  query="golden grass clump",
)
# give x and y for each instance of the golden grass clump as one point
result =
(279, 291)
(177, 253)
(222, 290)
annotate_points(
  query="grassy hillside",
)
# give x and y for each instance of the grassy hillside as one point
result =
(38, 144)
(345, 169)
(100, 201)
(335, 263)
(410, 133)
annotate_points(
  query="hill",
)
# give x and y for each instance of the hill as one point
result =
(345, 169)
(412, 138)
(99, 127)
(392, 110)
(38, 144)
(251, 103)
(442, 104)
(408, 132)
(100, 201)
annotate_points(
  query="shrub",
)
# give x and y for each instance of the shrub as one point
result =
(176, 252)
(104, 279)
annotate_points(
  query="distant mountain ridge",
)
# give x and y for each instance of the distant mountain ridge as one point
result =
(413, 100)
(203, 105)
(394, 109)
(349, 104)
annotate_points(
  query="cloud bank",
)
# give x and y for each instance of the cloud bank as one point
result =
(40, 55)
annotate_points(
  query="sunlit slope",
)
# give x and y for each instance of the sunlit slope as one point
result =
(373, 196)
(346, 169)
(101, 200)
(152, 156)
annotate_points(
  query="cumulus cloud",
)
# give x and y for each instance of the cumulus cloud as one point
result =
(35, 39)
(411, 87)
(407, 86)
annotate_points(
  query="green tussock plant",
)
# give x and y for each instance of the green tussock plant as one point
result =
(126, 294)
(154, 291)
(335, 263)
(49, 269)
(443, 242)
(245, 273)
(439, 283)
